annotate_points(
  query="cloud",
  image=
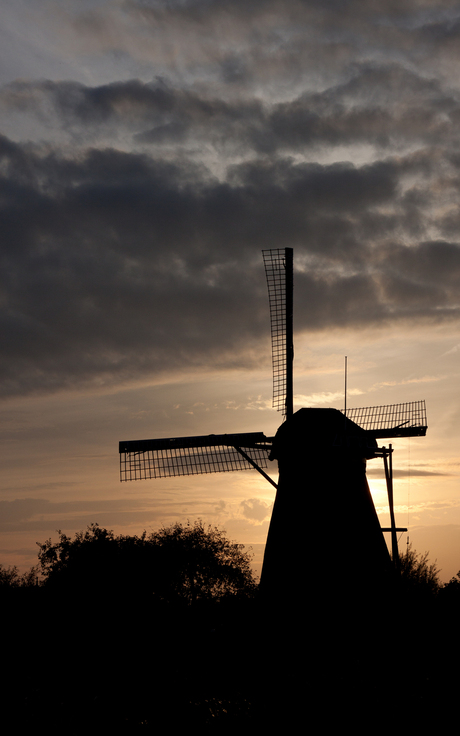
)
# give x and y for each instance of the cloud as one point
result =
(412, 472)
(256, 510)
(118, 264)
(326, 397)
(42, 515)
(134, 209)
(404, 108)
(452, 351)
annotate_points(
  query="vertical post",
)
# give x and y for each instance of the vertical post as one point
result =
(289, 261)
(389, 479)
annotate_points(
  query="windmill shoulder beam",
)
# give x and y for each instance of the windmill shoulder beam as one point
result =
(244, 439)
(398, 432)
(256, 467)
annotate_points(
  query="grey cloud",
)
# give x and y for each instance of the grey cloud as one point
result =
(423, 278)
(427, 262)
(131, 246)
(157, 113)
(444, 31)
(402, 107)
(173, 131)
(234, 69)
(367, 27)
(278, 44)
(380, 104)
(395, 9)
(85, 112)
(117, 264)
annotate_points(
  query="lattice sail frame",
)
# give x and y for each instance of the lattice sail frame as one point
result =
(278, 271)
(392, 420)
(166, 458)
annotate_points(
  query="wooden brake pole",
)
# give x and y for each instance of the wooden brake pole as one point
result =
(389, 480)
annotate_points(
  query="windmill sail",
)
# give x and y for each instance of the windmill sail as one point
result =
(392, 420)
(165, 458)
(279, 272)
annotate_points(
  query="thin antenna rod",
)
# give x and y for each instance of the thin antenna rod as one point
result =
(346, 369)
(289, 332)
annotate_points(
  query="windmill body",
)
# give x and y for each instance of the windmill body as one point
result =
(324, 521)
(323, 509)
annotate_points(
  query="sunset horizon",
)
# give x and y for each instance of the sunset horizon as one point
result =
(150, 151)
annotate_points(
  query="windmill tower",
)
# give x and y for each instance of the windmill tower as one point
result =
(321, 454)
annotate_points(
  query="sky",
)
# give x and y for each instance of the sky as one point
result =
(149, 151)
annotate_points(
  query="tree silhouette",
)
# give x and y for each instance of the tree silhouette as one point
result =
(175, 564)
(90, 560)
(10, 577)
(449, 594)
(201, 563)
(418, 576)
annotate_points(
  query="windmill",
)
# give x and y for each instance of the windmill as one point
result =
(321, 455)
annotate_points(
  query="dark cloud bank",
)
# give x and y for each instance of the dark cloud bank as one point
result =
(126, 252)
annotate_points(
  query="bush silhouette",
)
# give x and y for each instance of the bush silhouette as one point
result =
(180, 563)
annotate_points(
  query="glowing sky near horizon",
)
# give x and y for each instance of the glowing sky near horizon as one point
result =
(149, 151)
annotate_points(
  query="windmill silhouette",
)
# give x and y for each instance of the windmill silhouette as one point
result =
(321, 454)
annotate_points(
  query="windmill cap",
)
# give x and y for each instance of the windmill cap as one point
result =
(321, 430)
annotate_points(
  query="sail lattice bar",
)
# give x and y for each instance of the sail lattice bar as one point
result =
(279, 281)
(165, 458)
(392, 420)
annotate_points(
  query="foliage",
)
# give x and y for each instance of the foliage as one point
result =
(10, 577)
(454, 583)
(89, 557)
(203, 562)
(178, 563)
(417, 574)
(450, 592)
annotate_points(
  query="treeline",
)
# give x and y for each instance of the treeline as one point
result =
(181, 563)
(116, 634)
(165, 631)
(419, 577)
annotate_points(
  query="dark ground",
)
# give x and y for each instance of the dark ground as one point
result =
(79, 667)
